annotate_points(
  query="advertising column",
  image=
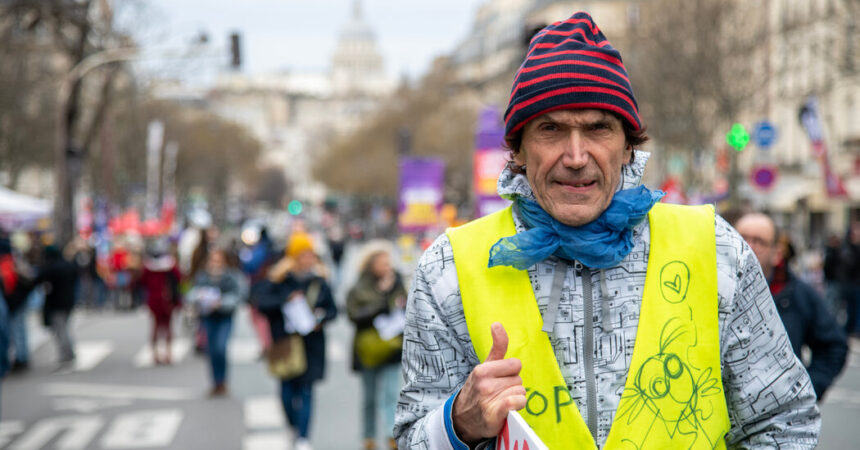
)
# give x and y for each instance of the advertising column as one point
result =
(490, 159)
(422, 182)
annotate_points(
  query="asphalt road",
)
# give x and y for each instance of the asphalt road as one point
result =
(116, 399)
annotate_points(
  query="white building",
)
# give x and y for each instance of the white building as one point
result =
(295, 113)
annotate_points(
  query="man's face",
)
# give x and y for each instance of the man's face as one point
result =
(759, 232)
(573, 162)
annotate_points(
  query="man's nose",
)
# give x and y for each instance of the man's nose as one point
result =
(575, 154)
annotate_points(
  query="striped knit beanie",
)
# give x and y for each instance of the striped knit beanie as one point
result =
(570, 65)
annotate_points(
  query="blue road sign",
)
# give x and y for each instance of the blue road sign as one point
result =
(764, 134)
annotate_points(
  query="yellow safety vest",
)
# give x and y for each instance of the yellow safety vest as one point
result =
(673, 396)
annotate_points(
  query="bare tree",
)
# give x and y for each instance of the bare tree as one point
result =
(72, 30)
(440, 116)
(696, 64)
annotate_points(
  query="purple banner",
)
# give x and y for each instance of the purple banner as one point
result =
(422, 181)
(490, 158)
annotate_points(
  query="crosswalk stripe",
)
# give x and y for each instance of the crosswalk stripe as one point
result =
(263, 413)
(116, 391)
(266, 441)
(88, 354)
(179, 349)
(243, 351)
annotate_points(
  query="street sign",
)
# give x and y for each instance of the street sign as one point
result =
(764, 134)
(738, 137)
(764, 176)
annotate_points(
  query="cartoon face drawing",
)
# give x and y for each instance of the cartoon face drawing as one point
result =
(668, 386)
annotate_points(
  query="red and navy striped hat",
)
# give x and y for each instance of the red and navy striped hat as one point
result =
(570, 65)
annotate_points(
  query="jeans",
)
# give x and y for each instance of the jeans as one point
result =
(218, 328)
(296, 398)
(381, 389)
(18, 335)
(60, 327)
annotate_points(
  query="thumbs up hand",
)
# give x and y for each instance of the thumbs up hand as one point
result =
(492, 389)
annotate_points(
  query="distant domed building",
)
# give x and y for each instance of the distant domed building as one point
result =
(357, 65)
(294, 113)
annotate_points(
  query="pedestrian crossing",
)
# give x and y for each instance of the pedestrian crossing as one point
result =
(265, 424)
(242, 348)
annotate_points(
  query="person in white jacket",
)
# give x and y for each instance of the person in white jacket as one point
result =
(580, 238)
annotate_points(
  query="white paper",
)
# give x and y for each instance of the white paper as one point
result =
(207, 297)
(298, 317)
(390, 325)
(517, 434)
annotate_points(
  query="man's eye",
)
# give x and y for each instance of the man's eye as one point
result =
(548, 127)
(599, 126)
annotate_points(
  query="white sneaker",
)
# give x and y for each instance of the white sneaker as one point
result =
(303, 444)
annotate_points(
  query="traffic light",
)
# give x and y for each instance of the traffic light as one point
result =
(235, 50)
(295, 207)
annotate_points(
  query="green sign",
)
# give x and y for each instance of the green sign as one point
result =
(738, 137)
(294, 207)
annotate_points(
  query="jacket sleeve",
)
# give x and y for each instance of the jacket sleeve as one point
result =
(437, 354)
(826, 342)
(770, 399)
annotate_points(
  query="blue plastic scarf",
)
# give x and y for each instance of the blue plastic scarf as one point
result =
(600, 244)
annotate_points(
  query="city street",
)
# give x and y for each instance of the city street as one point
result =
(115, 399)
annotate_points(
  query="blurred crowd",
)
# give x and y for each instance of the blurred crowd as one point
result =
(201, 275)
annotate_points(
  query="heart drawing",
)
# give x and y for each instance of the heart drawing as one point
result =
(675, 284)
(674, 281)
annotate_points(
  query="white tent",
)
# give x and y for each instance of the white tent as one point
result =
(19, 210)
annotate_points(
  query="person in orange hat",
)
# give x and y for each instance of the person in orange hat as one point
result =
(294, 286)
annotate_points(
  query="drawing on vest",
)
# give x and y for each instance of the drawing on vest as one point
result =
(669, 390)
(674, 280)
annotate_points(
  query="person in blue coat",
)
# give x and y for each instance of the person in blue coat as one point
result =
(4, 340)
(804, 314)
(297, 275)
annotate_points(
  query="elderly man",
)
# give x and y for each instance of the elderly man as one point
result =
(804, 314)
(601, 328)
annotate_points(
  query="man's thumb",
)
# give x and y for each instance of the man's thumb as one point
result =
(500, 342)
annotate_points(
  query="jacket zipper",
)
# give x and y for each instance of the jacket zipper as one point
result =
(588, 348)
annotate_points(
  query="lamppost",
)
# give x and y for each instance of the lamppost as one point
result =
(66, 154)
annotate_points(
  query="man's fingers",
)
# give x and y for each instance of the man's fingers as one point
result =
(500, 342)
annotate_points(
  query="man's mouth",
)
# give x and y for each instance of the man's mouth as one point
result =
(578, 184)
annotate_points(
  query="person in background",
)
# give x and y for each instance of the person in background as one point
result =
(59, 278)
(216, 292)
(850, 260)
(378, 292)
(833, 273)
(160, 280)
(297, 275)
(804, 314)
(4, 344)
(256, 261)
(15, 288)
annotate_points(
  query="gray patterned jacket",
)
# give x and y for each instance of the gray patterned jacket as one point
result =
(770, 400)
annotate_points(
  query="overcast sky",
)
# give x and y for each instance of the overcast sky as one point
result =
(302, 34)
